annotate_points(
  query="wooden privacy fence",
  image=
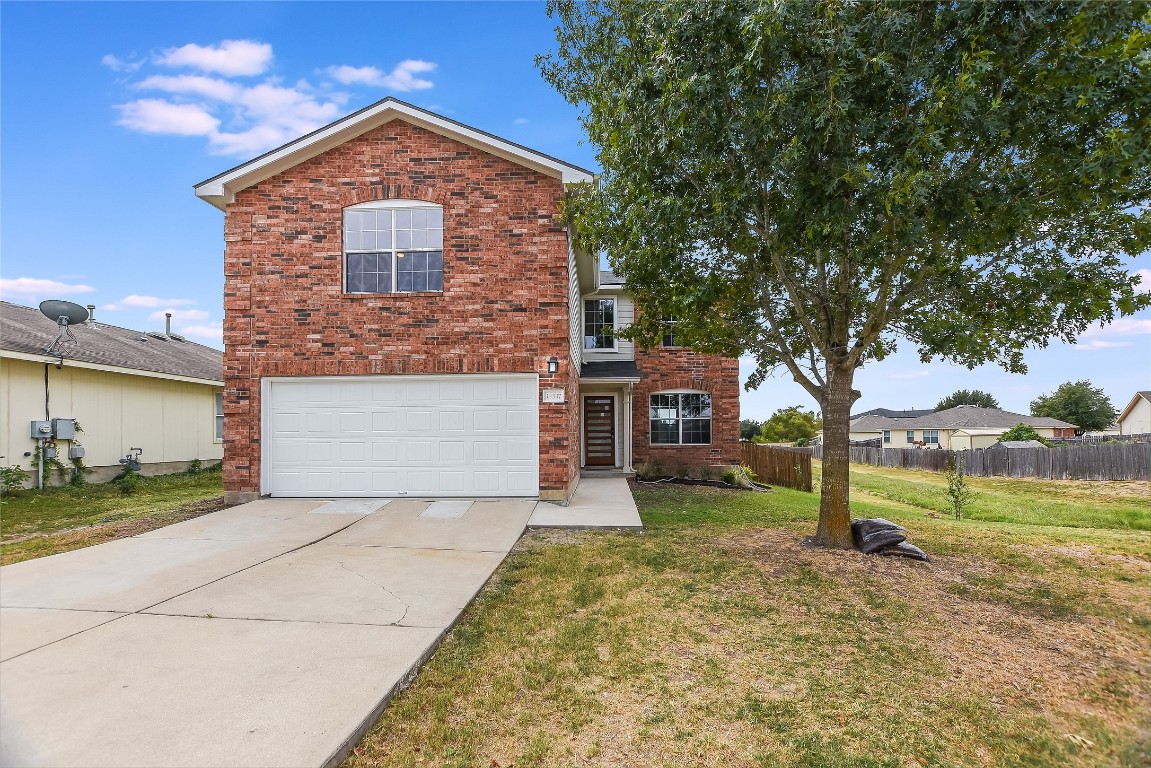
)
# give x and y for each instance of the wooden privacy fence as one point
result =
(1130, 461)
(774, 465)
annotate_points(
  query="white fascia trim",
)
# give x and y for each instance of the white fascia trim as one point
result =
(588, 382)
(222, 189)
(108, 368)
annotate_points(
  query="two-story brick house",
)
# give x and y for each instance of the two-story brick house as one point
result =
(405, 314)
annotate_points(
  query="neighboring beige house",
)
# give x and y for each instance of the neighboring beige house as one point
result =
(1136, 417)
(960, 428)
(126, 389)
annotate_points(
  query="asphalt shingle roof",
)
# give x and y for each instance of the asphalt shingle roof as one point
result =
(960, 417)
(25, 329)
(607, 277)
(610, 369)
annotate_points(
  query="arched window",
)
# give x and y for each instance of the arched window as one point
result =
(680, 418)
(393, 246)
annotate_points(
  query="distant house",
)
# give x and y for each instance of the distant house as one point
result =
(1008, 444)
(1136, 417)
(893, 414)
(959, 428)
(126, 389)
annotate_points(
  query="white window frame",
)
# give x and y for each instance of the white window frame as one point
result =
(680, 419)
(669, 324)
(393, 249)
(614, 323)
(218, 407)
(931, 437)
(887, 437)
(911, 437)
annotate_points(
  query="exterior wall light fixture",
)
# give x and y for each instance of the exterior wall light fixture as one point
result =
(553, 365)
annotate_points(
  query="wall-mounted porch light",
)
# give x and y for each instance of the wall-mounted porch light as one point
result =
(553, 365)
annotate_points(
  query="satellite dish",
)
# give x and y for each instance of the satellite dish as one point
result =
(57, 310)
(63, 313)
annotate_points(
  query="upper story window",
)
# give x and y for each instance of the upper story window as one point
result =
(599, 324)
(669, 331)
(394, 246)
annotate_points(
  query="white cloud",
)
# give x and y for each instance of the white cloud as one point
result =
(520, 121)
(230, 57)
(178, 315)
(199, 85)
(136, 301)
(116, 64)
(244, 119)
(34, 287)
(1144, 276)
(1101, 344)
(402, 77)
(212, 332)
(260, 117)
(159, 116)
(1123, 326)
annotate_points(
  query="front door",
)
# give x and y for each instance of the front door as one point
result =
(599, 431)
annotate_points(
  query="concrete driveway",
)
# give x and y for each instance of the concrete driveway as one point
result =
(269, 634)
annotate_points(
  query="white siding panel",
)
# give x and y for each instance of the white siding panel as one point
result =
(460, 435)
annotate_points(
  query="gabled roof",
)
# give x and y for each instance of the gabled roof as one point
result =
(607, 277)
(890, 414)
(960, 417)
(25, 334)
(1141, 395)
(222, 188)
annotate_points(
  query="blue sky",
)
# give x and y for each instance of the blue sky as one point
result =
(112, 111)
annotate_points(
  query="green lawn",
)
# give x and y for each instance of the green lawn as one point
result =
(1075, 504)
(39, 523)
(716, 638)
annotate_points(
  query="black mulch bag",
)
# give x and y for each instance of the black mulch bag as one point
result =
(872, 535)
(905, 549)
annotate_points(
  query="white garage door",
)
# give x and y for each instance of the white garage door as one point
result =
(457, 435)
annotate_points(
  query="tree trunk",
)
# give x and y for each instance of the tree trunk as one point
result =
(834, 513)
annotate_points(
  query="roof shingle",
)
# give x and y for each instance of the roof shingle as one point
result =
(24, 329)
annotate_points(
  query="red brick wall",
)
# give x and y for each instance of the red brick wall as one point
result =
(663, 369)
(503, 308)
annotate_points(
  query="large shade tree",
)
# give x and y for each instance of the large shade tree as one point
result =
(813, 183)
(1078, 403)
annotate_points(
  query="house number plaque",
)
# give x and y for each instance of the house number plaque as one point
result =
(554, 396)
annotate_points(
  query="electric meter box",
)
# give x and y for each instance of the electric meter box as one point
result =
(64, 429)
(75, 452)
(41, 430)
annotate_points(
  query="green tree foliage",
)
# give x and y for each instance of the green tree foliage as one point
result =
(812, 183)
(749, 428)
(788, 425)
(968, 397)
(1021, 431)
(1078, 403)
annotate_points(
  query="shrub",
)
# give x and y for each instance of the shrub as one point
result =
(195, 467)
(12, 479)
(730, 476)
(128, 480)
(648, 470)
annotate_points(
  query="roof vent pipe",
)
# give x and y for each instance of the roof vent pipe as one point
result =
(91, 314)
(167, 323)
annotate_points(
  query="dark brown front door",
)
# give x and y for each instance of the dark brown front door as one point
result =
(599, 431)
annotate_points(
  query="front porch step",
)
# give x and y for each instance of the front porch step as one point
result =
(605, 472)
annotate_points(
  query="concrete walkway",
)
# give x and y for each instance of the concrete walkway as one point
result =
(269, 634)
(598, 502)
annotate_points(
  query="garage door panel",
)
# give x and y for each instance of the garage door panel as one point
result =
(414, 435)
(356, 421)
(386, 421)
(385, 451)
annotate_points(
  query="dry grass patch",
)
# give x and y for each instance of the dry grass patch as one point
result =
(716, 639)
